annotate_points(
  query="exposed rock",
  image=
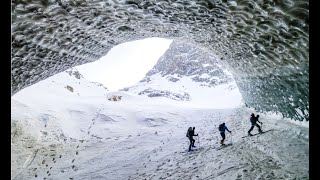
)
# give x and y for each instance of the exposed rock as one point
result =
(69, 88)
(115, 98)
(75, 73)
(185, 59)
(168, 94)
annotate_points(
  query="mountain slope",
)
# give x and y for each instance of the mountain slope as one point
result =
(188, 73)
(60, 134)
(147, 141)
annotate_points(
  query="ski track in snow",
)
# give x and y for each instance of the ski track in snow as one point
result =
(163, 155)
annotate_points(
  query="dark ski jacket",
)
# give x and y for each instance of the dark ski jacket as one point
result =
(191, 133)
(224, 128)
(254, 120)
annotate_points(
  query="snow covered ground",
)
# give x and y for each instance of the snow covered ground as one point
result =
(62, 134)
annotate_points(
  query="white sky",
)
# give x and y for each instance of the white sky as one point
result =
(125, 64)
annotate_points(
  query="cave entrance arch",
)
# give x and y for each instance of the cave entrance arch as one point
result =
(264, 43)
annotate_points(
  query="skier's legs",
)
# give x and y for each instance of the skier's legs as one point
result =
(191, 143)
(252, 126)
(258, 127)
(223, 135)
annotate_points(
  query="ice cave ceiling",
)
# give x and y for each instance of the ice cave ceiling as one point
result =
(264, 43)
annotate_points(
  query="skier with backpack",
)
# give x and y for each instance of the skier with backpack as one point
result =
(222, 129)
(190, 134)
(253, 121)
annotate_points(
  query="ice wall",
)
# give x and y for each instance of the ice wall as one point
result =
(264, 43)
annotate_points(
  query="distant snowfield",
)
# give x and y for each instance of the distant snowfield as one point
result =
(59, 134)
(222, 96)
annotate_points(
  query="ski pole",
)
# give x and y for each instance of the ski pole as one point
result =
(231, 137)
(198, 141)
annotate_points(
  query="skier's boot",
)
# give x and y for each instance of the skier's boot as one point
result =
(222, 143)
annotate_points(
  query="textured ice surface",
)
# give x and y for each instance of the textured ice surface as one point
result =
(264, 43)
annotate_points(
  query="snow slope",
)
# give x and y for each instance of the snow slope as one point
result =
(59, 134)
(224, 95)
(186, 72)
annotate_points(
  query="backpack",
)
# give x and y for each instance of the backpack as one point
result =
(189, 129)
(220, 127)
(252, 120)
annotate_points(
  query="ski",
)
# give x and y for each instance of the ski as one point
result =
(257, 133)
(193, 150)
(190, 152)
(223, 146)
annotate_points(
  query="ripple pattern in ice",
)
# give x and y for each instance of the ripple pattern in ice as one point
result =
(264, 43)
